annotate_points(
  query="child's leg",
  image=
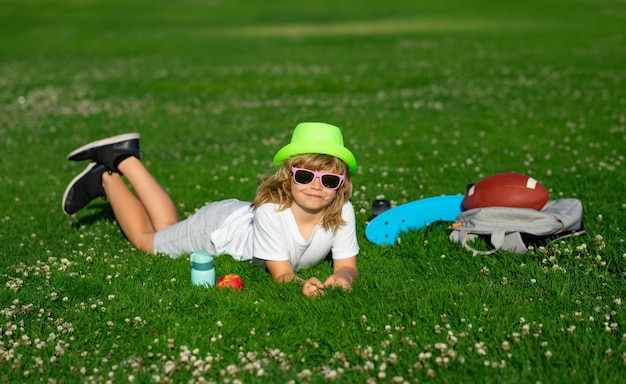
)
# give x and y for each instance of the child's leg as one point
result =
(141, 216)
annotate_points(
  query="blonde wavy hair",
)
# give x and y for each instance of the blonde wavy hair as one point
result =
(276, 188)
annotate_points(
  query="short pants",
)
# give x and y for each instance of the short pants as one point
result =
(194, 233)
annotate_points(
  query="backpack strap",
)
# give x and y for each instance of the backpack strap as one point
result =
(511, 241)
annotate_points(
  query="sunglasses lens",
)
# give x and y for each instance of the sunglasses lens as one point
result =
(303, 177)
(331, 181)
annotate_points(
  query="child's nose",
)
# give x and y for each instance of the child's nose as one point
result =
(317, 182)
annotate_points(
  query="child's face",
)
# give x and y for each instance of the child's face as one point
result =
(312, 197)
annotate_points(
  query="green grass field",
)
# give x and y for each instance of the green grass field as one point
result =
(431, 96)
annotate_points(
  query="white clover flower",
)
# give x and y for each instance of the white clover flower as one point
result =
(169, 367)
(423, 356)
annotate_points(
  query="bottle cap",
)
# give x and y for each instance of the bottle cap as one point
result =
(380, 206)
(201, 261)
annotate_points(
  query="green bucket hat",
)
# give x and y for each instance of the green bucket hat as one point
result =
(321, 138)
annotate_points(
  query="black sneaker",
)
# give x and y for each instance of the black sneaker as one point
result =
(109, 152)
(84, 188)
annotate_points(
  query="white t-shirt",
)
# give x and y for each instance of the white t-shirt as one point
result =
(268, 234)
(276, 237)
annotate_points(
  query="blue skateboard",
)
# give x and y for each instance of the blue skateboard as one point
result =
(386, 227)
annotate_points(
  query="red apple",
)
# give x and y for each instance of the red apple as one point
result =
(230, 280)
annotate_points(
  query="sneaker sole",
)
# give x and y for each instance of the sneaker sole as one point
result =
(103, 142)
(69, 186)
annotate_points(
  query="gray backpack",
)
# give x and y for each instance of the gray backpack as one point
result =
(515, 229)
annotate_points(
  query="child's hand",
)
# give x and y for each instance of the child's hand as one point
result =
(344, 272)
(312, 287)
(339, 280)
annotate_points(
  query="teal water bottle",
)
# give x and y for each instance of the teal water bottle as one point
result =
(202, 270)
